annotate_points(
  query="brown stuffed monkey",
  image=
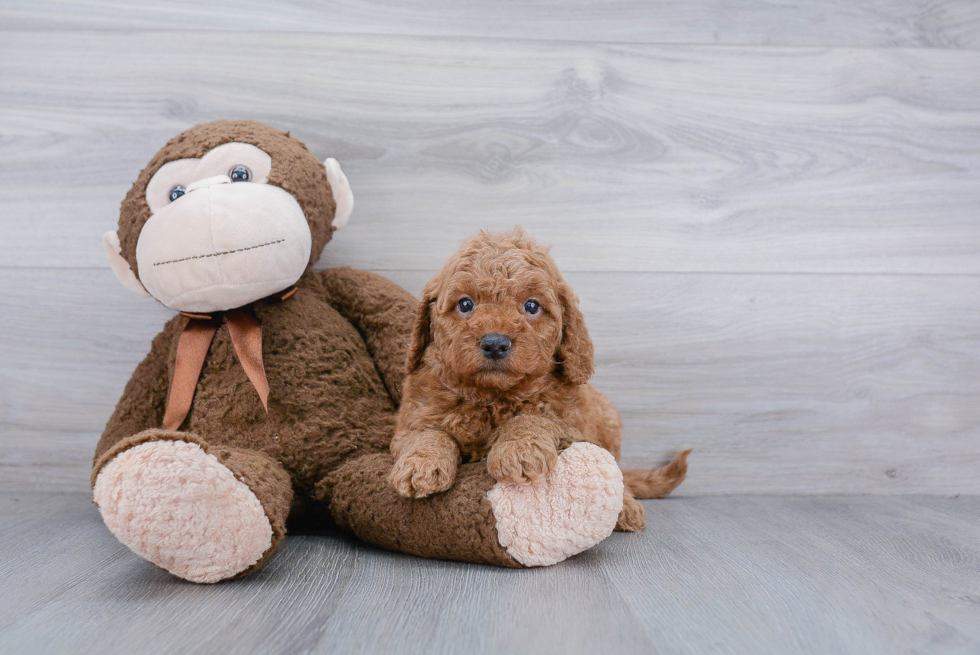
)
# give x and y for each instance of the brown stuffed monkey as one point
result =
(272, 394)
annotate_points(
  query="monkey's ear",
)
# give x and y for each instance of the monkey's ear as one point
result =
(342, 194)
(119, 265)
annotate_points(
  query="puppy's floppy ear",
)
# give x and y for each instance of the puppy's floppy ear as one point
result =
(422, 334)
(575, 362)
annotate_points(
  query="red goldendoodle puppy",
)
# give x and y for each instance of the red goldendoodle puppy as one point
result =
(499, 368)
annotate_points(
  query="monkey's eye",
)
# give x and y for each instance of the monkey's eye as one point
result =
(532, 307)
(465, 305)
(240, 174)
(177, 192)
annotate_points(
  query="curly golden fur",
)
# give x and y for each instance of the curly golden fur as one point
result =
(498, 369)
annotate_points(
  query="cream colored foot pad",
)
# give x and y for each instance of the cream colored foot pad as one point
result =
(571, 510)
(180, 508)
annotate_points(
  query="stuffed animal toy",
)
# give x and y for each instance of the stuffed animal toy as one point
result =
(271, 396)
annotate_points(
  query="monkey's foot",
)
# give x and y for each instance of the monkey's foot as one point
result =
(183, 510)
(572, 509)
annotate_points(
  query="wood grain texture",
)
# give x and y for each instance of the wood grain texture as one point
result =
(780, 383)
(866, 23)
(802, 575)
(777, 248)
(625, 157)
(708, 575)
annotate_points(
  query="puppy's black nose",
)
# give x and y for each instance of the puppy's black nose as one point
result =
(495, 346)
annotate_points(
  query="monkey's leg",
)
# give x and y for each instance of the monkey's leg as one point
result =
(480, 520)
(202, 512)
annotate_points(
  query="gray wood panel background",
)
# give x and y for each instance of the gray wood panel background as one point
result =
(870, 23)
(771, 212)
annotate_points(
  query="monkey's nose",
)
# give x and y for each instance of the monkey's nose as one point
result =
(495, 346)
(208, 181)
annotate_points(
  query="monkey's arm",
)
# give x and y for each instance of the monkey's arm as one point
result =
(382, 312)
(144, 399)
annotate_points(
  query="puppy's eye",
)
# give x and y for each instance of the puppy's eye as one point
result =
(465, 306)
(240, 174)
(532, 307)
(177, 192)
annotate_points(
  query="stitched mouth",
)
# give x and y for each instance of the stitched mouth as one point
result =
(218, 254)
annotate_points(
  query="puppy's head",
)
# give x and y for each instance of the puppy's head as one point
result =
(499, 313)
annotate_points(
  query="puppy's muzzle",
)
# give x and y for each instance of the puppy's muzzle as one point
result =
(495, 346)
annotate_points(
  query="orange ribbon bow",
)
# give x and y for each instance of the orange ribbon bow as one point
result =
(245, 331)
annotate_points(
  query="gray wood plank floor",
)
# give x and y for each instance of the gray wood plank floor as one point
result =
(835, 575)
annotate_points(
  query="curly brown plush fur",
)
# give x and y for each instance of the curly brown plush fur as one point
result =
(516, 406)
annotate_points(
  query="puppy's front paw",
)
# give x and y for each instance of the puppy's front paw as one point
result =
(633, 517)
(521, 461)
(417, 476)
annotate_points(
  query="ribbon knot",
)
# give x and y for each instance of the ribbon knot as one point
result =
(245, 331)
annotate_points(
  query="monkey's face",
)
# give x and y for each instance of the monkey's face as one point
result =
(222, 230)
(220, 236)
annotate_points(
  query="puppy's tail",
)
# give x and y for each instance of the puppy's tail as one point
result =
(658, 482)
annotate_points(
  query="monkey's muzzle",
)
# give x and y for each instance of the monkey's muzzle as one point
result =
(223, 245)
